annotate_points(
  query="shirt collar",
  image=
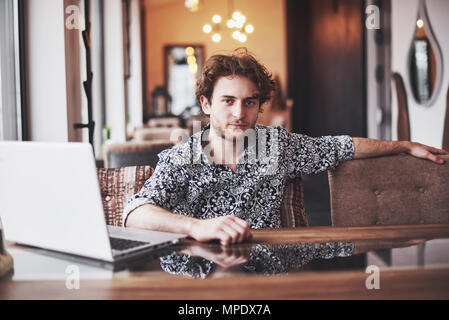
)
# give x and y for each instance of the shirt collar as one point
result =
(199, 157)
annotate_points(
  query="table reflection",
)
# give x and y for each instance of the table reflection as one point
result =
(268, 259)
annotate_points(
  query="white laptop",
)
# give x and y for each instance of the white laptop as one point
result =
(50, 198)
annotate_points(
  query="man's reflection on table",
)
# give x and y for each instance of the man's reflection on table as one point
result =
(200, 261)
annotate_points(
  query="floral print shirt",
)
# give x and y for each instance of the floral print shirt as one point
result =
(185, 182)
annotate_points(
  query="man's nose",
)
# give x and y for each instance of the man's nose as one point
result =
(238, 111)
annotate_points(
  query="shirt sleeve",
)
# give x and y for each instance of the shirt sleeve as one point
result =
(307, 155)
(165, 188)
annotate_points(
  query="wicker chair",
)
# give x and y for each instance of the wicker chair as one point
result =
(120, 184)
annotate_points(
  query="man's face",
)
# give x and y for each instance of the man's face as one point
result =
(233, 108)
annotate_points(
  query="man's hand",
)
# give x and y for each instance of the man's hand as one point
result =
(425, 152)
(227, 229)
(367, 148)
(225, 257)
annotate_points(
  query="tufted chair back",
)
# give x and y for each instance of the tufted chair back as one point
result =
(391, 190)
(118, 185)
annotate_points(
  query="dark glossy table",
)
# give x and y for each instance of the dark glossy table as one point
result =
(378, 262)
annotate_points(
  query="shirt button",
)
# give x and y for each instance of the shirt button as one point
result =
(107, 198)
(377, 192)
(421, 190)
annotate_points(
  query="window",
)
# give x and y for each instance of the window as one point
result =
(10, 99)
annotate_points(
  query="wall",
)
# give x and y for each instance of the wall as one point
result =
(426, 123)
(114, 70)
(74, 56)
(98, 72)
(169, 22)
(378, 58)
(1, 107)
(135, 82)
(45, 67)
(9, 104)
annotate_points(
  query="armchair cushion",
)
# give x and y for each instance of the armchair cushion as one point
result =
(398, 189)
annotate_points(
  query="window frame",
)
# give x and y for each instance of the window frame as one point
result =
(12, 68)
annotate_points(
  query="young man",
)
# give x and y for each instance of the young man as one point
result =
(230, 177)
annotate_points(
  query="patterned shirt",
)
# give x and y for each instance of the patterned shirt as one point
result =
(185, 182)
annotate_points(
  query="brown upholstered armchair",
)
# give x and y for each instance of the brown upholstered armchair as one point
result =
(118, 185)
(391, 190)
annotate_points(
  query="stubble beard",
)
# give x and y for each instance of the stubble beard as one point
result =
(228, 135)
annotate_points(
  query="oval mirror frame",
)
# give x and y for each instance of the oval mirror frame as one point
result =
(433, 43)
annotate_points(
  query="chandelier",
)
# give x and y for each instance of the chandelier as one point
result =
(236, 23)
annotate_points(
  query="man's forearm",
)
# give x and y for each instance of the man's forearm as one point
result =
(227, 229)
(366, 148)
(156, 218)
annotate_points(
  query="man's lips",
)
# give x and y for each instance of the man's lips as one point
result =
(237, 125)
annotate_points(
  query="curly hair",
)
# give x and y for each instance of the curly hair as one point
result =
(239, 63)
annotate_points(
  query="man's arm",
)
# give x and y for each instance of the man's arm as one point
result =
(226, 229)
(367, 148)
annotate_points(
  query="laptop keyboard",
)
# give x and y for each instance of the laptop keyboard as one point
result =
(125, 244)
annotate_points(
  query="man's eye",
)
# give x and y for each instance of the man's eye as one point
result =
(250, 102)
(227, 101)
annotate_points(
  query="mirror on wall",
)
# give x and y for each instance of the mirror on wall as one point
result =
(425, 60)
(183, 64)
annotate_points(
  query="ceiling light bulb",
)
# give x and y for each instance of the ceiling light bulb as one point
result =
(249, 28)
(236, 15)
(190, 51)
(216, 37)
(207, 28)
(239, 24)
(230, 23)
(192, 5)
(216, 18)
(420, 23)
(236, 35)
(242, 18)
(242, 37)
(193, 68)
(191, 60)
